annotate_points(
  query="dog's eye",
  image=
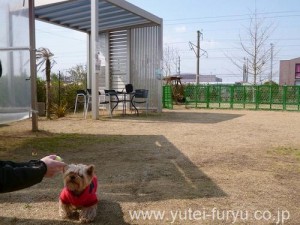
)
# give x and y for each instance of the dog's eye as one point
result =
(80, 175)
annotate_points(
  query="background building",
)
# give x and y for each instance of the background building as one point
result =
(289, 72)
(191, 78)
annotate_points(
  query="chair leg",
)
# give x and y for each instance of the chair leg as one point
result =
(86, 107)
(102, 108)
(76, 104)
(109, 109)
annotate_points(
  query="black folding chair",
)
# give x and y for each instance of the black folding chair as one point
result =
(140, 97)
(129, 88)
(113, 98)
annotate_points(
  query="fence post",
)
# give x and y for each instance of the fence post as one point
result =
(207, 95)
(298, 99)
(231, 96)
(219, 95)
(196, 94)
(185, 89)
(284, 97)
(244, 97)
(256, 97)
(270, 97)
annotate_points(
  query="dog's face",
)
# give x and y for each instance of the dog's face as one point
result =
(78, 177)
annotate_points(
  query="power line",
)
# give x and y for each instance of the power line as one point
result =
(238, 15)
(231, 18)
(59, 35)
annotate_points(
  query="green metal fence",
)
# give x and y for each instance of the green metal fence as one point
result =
(167, 97)
(268, 97)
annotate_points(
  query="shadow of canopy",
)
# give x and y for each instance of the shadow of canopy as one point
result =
(139, 171)
(134, 168)
(186, 117)
(108, 212)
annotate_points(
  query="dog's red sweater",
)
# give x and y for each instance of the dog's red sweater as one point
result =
(86, 199)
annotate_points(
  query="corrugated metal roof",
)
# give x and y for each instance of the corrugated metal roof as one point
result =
(113, 14)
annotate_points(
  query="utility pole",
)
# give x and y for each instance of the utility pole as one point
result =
(271, 72)
(197, 53)
(178, 66)
(198, 57)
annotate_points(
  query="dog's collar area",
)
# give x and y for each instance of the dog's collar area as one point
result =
(92, 186)
(76, 193)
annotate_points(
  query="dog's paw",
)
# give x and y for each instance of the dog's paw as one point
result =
(88, 215)
(85, 220)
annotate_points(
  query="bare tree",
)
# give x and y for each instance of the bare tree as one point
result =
(78, 74)
(170, 58)
(255, 43)
(45, 56)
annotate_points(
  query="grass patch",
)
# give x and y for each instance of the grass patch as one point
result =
(288, 151)
(48, 143)
(67, 141)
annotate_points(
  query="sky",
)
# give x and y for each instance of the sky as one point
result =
(223, 24)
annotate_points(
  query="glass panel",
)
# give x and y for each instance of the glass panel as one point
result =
(15, 94)
(101, 49)
(14, 23)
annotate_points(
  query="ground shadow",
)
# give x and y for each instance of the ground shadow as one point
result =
(133, 168)
(129, 168)
(150, 168)
(108, 213)
(183, 117)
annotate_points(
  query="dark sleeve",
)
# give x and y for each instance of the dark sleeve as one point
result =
(15, 176)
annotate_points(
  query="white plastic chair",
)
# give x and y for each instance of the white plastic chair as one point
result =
(104, 100)
(80, 98)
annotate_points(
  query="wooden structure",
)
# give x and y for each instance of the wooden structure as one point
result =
(177, 88)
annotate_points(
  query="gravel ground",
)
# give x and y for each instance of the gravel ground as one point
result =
(191, 166)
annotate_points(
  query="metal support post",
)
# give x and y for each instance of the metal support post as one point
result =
(33, 66)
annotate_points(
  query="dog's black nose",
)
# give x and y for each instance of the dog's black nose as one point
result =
(72, 177)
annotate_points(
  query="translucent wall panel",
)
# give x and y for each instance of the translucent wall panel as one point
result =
(118, 59)
(145, 56)
(15, 94)
(102, 55)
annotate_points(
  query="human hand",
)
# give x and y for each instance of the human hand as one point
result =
(53, 166)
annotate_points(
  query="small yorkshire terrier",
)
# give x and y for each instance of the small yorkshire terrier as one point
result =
(79, 193)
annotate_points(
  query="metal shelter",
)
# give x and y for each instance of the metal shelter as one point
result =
(17, 60)
(124, 43)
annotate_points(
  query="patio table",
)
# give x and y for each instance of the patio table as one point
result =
(125, 98)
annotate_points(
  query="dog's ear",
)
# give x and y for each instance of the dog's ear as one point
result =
(90, 170)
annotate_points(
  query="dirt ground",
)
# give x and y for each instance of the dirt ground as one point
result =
(179, 167)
